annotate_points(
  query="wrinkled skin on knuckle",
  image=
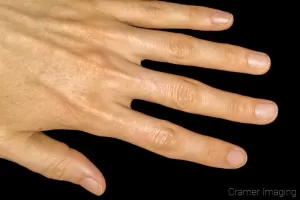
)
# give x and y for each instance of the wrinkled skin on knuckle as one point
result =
(231, 54)
(164, 140)
(56, 166)
(211, 152)
(184, 95)
(152, 10)
(180, 47)
(239, 108)
(192, 13)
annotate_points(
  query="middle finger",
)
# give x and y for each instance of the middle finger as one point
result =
(186, 50)
(192, 96)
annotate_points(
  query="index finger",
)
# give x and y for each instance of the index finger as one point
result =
(159, 14)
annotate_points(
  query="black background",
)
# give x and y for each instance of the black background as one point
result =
(134, 173)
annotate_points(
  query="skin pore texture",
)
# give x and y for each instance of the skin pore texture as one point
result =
(76, 65)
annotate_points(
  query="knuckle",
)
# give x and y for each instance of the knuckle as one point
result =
(164, 140)
(184, 95)
(231, 53)
(181, 47)
(56, 167)
(93, 57)
(237, 108)
(211, 152)
(152, 10)
(192, 13)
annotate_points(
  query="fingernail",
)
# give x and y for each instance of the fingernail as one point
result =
(259, 60)
(237, 158)
(221, 17)
(92, 186)
(266, 111)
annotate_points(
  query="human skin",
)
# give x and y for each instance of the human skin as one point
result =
(75, 65)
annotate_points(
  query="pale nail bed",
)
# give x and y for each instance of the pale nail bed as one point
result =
(259, 61)
(92, 186)
(237, 158)
(266, 111)
(222, 17)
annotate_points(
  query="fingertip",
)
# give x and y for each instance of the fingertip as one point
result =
(84, 173)
(222, 20)
(92, 186)
(237, 158)
(259, 62)
(266, 112)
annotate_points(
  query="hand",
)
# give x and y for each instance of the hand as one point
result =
(75, 65)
